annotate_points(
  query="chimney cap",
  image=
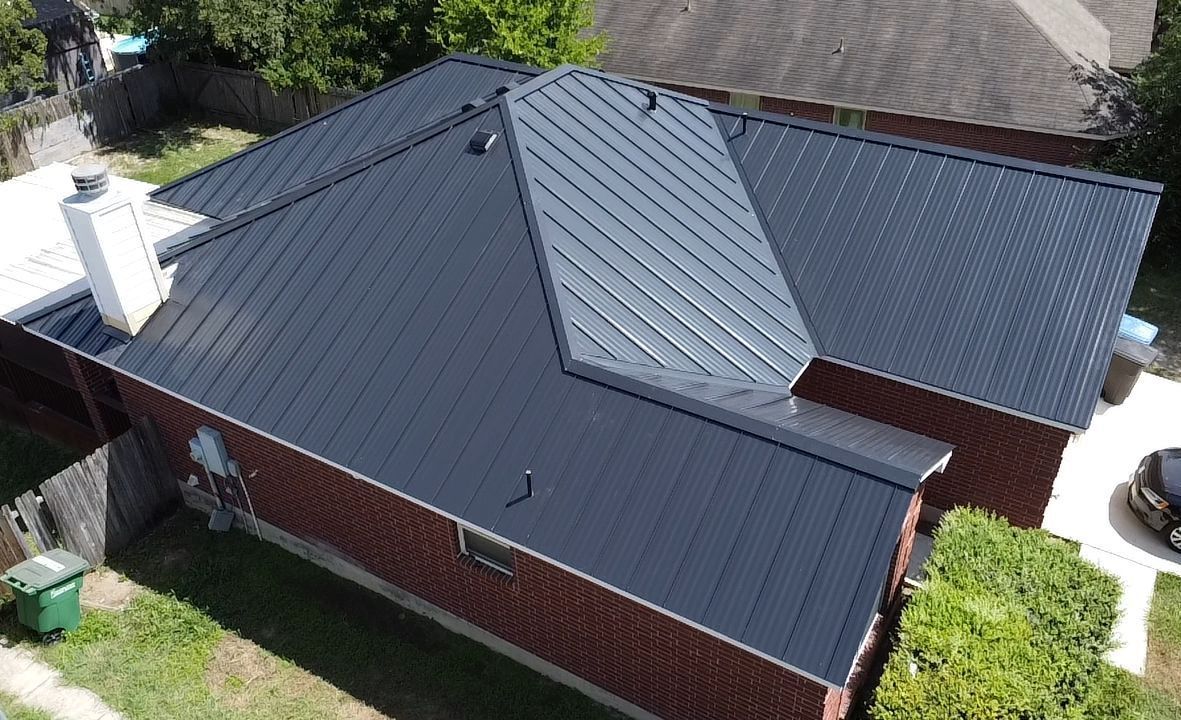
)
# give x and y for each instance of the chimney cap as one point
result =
(91, 179)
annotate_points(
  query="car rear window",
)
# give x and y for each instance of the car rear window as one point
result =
(1170, 470)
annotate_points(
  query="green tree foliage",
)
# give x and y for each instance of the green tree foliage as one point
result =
(1154, 151)
(545, 33)
(22, 50)
(1011, 625)
(294, 43)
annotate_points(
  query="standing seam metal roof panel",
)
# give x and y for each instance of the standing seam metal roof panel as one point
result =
(330, 139)
(991, 278)
(443, 380)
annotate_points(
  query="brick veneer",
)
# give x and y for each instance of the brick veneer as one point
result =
(671, 669)
(88, 377)
(1001, 462)
(1027, 144)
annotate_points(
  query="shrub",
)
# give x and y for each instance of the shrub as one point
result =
(1011, 623)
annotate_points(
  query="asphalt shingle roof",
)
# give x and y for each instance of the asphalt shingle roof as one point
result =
(972, 60)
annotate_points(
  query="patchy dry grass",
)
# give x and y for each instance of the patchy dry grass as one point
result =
(1157, 299)
(230, 628)
(1163, 674)
(165, 154)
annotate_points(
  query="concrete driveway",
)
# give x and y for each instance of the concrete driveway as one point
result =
(1089, 500)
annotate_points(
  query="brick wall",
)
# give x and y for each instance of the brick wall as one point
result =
(632, 651)
(1001, 462)
(1041, 147)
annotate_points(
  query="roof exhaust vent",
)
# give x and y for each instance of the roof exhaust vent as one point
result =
(91, 179)
(507, 87)
(651, 100)
(472, 104)
(482, 141)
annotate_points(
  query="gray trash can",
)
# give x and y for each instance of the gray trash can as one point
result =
(1127, 362)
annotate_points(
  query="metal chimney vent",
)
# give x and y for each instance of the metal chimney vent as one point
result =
(91, 179)
(482, 141)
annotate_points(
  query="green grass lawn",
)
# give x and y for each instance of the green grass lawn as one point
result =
(1157, 299)
(27, 459)
(165, 154)
(233, 628)
(1163, 674)
(11, 709)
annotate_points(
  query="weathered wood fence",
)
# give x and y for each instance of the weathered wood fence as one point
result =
(47, 130)
(96, 506)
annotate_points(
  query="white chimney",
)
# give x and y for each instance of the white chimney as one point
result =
(120, 262)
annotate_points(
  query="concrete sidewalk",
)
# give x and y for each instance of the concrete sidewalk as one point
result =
(36, 685)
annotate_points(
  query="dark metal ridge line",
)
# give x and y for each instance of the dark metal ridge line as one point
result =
(1003, 161)
(455, 57)
(885, 472)
(784, 270)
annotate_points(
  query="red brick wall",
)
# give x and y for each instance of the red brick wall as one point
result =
(797, 108)
(1001, 462)
(1041, 147)
(646, 657)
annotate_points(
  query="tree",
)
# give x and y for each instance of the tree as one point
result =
(22, 50)
(1153, 152)
(545, 33)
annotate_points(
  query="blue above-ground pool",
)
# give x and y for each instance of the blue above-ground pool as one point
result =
(130, 51)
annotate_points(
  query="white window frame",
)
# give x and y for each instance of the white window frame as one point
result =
(836, 116)
(758, 101)
(460, 529)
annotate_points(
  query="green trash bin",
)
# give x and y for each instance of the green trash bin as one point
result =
(47, 590)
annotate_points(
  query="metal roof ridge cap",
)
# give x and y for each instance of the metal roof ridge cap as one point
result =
(876, 469)
(1091, 176)
(323, 180)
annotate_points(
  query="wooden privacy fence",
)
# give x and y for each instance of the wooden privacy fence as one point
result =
(242, 98)
(38, 132)
(96, 506)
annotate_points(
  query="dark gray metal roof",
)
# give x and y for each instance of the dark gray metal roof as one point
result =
(658, 257)
(392, 318)
(327, 141)
(992, 278)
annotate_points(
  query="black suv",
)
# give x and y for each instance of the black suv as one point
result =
(1155, 494)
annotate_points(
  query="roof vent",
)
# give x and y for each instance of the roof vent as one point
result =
(651, 100)
(472, 104)
(91, 179)
(507, 87)
(482, 141)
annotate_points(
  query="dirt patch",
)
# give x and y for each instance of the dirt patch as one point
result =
(240, 673)
(105, 589)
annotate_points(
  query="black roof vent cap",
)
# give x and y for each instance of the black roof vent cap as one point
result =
(472, 104)
(507, 87)
(651, 100)
(482, 141)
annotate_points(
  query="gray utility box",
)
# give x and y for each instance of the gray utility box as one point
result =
(1127, 362)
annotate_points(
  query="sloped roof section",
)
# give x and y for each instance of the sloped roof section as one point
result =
(331, 139)
(656, 253)
(994, 279)
(1132, 23)
(1006, 62)
(392, 317)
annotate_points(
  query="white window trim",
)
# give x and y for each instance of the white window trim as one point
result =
(460, 529)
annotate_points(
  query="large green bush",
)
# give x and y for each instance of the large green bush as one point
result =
(1011, 624)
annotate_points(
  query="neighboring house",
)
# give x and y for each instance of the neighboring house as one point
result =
(73, 57)
(643, 392)
(1029, 78)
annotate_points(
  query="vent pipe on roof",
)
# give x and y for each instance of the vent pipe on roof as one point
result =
(120, 262)
(651, 100)
(482, 141)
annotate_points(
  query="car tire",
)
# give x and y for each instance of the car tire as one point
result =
(1172, 535)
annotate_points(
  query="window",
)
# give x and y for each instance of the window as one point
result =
(486, 550)
(850, 118)
(743, 100)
